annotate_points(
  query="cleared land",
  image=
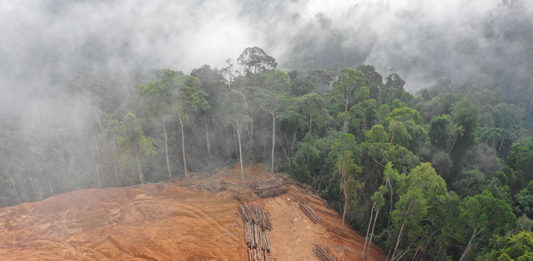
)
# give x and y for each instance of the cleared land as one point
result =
(184, 220)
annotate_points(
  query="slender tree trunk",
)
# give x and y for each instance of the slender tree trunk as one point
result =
(183, 147)
(13, 187)
(454, 141)
(98, 176)
(141, 176)
(345, 123)
(240, 154)
(166, 151)
(273, 141)
(397, 242)
(97, 149)
(475, 233)
(392, 137)
(391, 192)
(417, 249)
(293, 140)
(98, 181)
(372, 233)
(252, 137)
(368, 228)
(207, 141)
(98, 120)
(345, 203)
(318, 186)
(52, 192)
(310, 122)
(115, 167)
(529, 106)
(501, 143)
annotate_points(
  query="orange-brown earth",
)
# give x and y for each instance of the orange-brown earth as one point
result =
(184, 220)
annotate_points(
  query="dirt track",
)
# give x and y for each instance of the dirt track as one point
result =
(186, 220)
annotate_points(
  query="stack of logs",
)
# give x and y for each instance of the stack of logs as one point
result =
(269, 188)
(256, 226)
(323, 253)
(310, 212)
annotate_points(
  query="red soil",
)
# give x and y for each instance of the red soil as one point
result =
(185, 220)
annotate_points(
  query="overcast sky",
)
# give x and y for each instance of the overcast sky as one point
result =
(44, 42)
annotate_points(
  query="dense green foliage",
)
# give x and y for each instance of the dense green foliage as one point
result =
(442, 175)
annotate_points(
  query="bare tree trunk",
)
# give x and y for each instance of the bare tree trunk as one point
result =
(166, 151)
(501, 143)
(208, 143)
(141, 176)
(417, 249)
(97, 148)
(310, 122)
(183, 147)
(293, 140)
(252, 137)
(345, 203)
(529, 106)
(345, 123)
(240, 154)
(98, 181)
(98, 176)
(454, 141)
(372, 233)
(397, 242)
(13, 187)
(273, 141)
(475, 233)
(115, 168)
(391, 192)
(98, 120)
(52, 192)
(368, 228)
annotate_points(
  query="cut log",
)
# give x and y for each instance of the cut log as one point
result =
(256, 225)
(310, 212)
(269, 188)
(323, 253)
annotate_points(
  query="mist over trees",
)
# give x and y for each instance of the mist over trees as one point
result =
(442, 172)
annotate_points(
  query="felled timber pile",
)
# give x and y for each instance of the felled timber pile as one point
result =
(269, 188)
(310, 212)
(256, 226)
(323, 253)
(254, 214)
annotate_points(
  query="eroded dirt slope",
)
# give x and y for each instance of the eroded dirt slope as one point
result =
(185, 220)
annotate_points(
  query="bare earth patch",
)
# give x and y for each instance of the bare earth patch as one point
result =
(184, 220)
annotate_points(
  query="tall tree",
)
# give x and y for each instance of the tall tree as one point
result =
(418, 192)
(173, 93)
(378, 201)
(465, 115)
(483, 215)
(213, 84)
(133, 142)
(235, 110)
(344, 89)
(313, 105)
(189, 98)
(348, 172)
(159, 100)
(347, 154)
(276, 105)
(440, 132)
(254, 60)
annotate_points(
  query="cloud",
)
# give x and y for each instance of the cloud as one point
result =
(47, 42)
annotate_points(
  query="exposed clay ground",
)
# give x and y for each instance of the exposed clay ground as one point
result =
(185, 220)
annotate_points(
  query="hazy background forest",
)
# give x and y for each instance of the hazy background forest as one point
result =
(413, 116)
